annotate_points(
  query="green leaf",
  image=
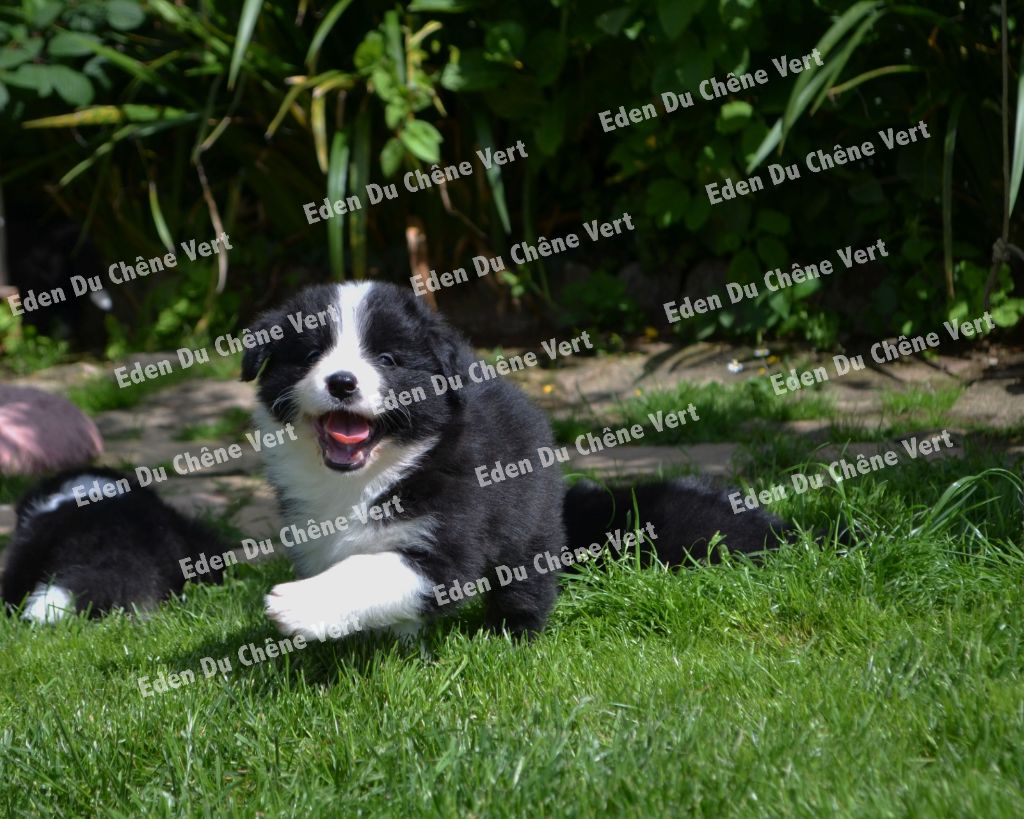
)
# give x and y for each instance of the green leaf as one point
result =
(744, 266)
(391, 156)
(246, 26)
(1017, 168)
(666, 201)
(505, 39)
(360, 176)
(545, 55)
(771, 139)
(697, 212)
(473, 72)
(394, 113)
(874, 73)
(318, 123)
(551, 128)
(4, 96)
(323, 30)
(422, 139)
(394, 45)
(71, 44)
(675, 15)
(123, 61)
(733, 116)
(809, 83)
(158, 217)
(772, 252)
(38, 78)
(493, 173)
(442, 6)
(337, 179)
(369, 52)
(110, 115)
(948, 147)
(851, 17)
(42, 13)
(1008, 313)
(14, 54)
(72, 87)
(612, 21)
(771, 221)
(125, 15)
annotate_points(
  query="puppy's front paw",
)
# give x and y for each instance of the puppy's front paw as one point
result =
(296, 608)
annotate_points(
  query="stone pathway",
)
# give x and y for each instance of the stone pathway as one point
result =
(144, 435)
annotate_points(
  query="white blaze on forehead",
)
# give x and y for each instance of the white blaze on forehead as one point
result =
(347, 353)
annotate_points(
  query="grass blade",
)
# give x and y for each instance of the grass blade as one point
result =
(851, 17)
(948, 147)
(107, 115)
(318, 119)
(322, 31)
(494, 180)
(874, 73)
(337, 179)
(360, 173)
(1017, 168)
(158, 217)
(246, 26)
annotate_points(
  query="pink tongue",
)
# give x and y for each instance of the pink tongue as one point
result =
(347, 429)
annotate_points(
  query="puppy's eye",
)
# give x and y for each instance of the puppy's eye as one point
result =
(387, 359)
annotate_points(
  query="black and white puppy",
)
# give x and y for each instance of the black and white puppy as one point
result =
(328, 358)
(121, 549)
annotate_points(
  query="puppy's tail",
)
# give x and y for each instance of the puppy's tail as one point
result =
(677, 521)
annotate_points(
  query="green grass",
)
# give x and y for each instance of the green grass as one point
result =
(231, 426)
(750, 411)
(103, 393)
(879, 681)
(723, 409)
(13, 487)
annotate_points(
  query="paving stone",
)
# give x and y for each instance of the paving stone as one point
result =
(994, 402)
(152, 451)
(145, 434)
(248, 498)
(629, 461)
(59, 378)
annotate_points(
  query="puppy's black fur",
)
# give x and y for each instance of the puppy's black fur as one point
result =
(685, 515)
(118, 552)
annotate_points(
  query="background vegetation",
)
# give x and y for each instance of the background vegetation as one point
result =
(151, 123)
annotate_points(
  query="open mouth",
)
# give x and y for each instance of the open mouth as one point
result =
(346, 439)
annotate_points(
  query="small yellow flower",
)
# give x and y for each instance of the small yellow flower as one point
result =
(651, 332)
(548, 389)
(772, 359)
(761, 371)
(638, 391)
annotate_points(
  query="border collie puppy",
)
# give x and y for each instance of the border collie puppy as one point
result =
(332, 355)
(120, 550)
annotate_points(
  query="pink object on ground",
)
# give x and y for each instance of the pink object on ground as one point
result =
(40, 432)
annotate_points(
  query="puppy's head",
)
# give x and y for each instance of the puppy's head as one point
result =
(338, 360)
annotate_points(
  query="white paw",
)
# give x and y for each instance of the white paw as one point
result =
(300, 608)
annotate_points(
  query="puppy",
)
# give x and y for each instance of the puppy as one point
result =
(119, 550)
(327, 362)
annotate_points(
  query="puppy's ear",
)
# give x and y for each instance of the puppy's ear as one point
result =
(253, 359)
(451, 349)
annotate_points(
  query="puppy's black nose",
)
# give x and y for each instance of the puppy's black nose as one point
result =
(341, 384)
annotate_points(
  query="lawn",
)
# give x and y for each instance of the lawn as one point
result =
(883, 679)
